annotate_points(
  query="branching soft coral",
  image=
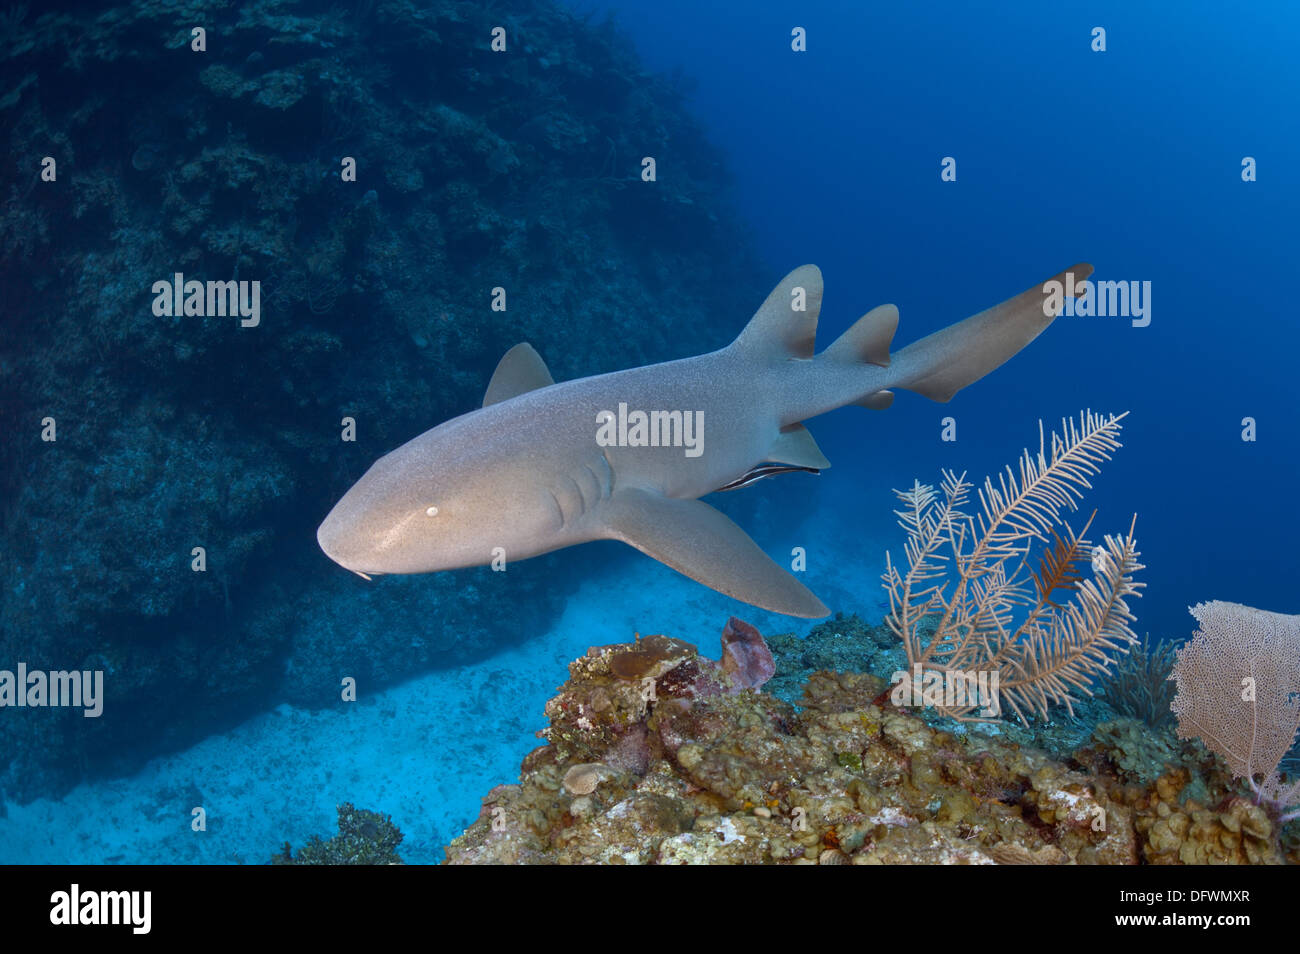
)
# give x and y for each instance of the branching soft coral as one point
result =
(1140, 687)
(969, 576)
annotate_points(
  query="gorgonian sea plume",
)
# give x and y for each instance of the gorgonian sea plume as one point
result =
(970, 604)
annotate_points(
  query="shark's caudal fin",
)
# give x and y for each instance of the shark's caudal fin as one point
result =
(701, 542)
(941, 364)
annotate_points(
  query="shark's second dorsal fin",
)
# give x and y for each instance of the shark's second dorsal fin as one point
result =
(868, 339)
(519, 371)
(786, 324)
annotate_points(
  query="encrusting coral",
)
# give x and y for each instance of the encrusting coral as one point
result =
(1181, 830)
(658, 755)
(970, 630)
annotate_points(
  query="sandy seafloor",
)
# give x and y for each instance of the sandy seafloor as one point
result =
(425, 751)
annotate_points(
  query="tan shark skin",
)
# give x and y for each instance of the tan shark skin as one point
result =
(524, 474)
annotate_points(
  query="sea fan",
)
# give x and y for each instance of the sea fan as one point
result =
(968, 579)
(1238, 681)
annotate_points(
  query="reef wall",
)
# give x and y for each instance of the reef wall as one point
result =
(475, 170)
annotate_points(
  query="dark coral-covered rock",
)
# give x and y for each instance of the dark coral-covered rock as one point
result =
(364, 838)
(183, 432)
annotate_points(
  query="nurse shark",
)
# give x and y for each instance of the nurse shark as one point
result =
(627, 455)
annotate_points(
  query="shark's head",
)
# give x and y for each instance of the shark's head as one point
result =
(439, 502)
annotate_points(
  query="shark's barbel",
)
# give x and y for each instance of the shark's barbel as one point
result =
(534, 470)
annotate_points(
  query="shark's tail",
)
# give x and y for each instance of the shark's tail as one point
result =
(941, 364)
(937, 366)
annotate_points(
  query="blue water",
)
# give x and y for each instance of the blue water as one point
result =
(1129, 159)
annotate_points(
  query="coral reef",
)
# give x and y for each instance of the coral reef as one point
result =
(655, 757)
(176, 432)
(364, 838)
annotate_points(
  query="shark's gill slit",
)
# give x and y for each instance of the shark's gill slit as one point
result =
(559, 511)
(609, 473)
(595, 482)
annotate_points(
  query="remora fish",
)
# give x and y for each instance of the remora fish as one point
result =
(525, 474)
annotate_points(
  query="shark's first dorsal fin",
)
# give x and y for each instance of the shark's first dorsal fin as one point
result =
(697, 540)
(796, 446)
(786, 324)
(521, 370)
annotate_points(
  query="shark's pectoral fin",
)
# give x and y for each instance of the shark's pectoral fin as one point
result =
(699, 541)
(519, 371)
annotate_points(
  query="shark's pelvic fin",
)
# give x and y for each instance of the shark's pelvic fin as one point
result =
(877, 400)
(702, 543)
(785, 326)
(941, 364)
(519, 371)
(869, 338)
(794, 445)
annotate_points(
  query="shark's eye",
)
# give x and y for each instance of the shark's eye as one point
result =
(432, 511)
